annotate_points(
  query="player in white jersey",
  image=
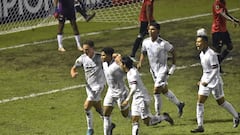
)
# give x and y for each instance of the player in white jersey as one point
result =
(117, 90)
(157, 50)
(95, 80)
(141, 98)
(211, 82)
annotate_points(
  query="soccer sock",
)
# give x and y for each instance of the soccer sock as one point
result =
(77, 38)
(135, 127)
(89, 118)
(136, 46)
(59, 39)
(200, 112)
(224, 54)
(157, 103)
(227, 106)
(172, 97)
(155, 120)
(106, 124)
(100, 111)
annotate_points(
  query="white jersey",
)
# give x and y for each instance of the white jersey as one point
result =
(210, 75)
(114, 76)
(93, 70)
(157, 53)
(140, 93)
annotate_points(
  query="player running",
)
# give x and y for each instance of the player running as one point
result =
(157, 50)
(211, 81)
(141, 98)
(117, 91)
(220, 35)
(95, 81)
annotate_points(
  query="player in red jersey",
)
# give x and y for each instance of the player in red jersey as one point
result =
(145, 18)
(220, 35)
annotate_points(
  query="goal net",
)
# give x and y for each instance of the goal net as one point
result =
(19, 15)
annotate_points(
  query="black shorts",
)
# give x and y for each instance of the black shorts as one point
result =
(219, 39)
(67, 10)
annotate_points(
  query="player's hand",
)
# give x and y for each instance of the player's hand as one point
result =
(124, 103)
(74, 74)
(204, 84)
(172, 69)
(139, 65)
(56, 13)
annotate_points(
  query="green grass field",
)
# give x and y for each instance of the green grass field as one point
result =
(57, 106)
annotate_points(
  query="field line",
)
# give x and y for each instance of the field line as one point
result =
(79, 86)
(121, 28)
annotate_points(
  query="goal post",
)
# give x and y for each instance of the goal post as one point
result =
(19, 15)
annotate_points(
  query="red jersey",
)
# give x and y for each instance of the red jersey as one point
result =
(143, 13)
(219, 22)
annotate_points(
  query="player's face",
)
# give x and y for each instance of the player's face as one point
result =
(105, 57)
(153, 32)
(89, 51)
(200, 43)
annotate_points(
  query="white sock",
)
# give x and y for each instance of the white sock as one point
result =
(155, 120)
(170, 95)
(106, 124)
(157, 103)
(200, 112)
(77, 38)
(59, 39)
(135, 128)
(89, 118)
(227, 106)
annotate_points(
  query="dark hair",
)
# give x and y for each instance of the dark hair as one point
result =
(108, 50)
(127, 61)
(155, 24)
(89, 42)
(205, 38)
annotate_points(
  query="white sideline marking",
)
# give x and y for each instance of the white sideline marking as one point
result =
(42, 93)
(122, 28)
(79, 86)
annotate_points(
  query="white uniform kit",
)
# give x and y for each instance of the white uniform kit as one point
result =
(157, 53)
(93, 74)
(117, 90)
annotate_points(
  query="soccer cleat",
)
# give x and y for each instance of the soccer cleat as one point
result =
(180, 109)
(199, 129)
(236, 121)
(90, 17)
(90, 132)
(61, 49)
(168, 118)
(112, 127)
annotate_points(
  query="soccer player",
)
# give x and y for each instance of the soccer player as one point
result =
(117, 91)
(80, 7)
(145, 17)
(141, 98)
(157, 50)
(220, 35)
(95, 80)
(211, 81)
(64, 10)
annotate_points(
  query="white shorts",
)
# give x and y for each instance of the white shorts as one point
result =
(109, 100)
(94, 93)
(217, 91)
(141, 109)
(160, 79)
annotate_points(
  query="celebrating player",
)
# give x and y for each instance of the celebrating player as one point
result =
(141, 98)
(157, 50)
(220, 35)
(211, 81)
(117, 91)
(64, 10)
(95, 81)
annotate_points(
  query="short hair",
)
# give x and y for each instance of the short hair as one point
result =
(205, 38)
(155, 24)
(126, 60)
(108, 50)
(89, 42)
